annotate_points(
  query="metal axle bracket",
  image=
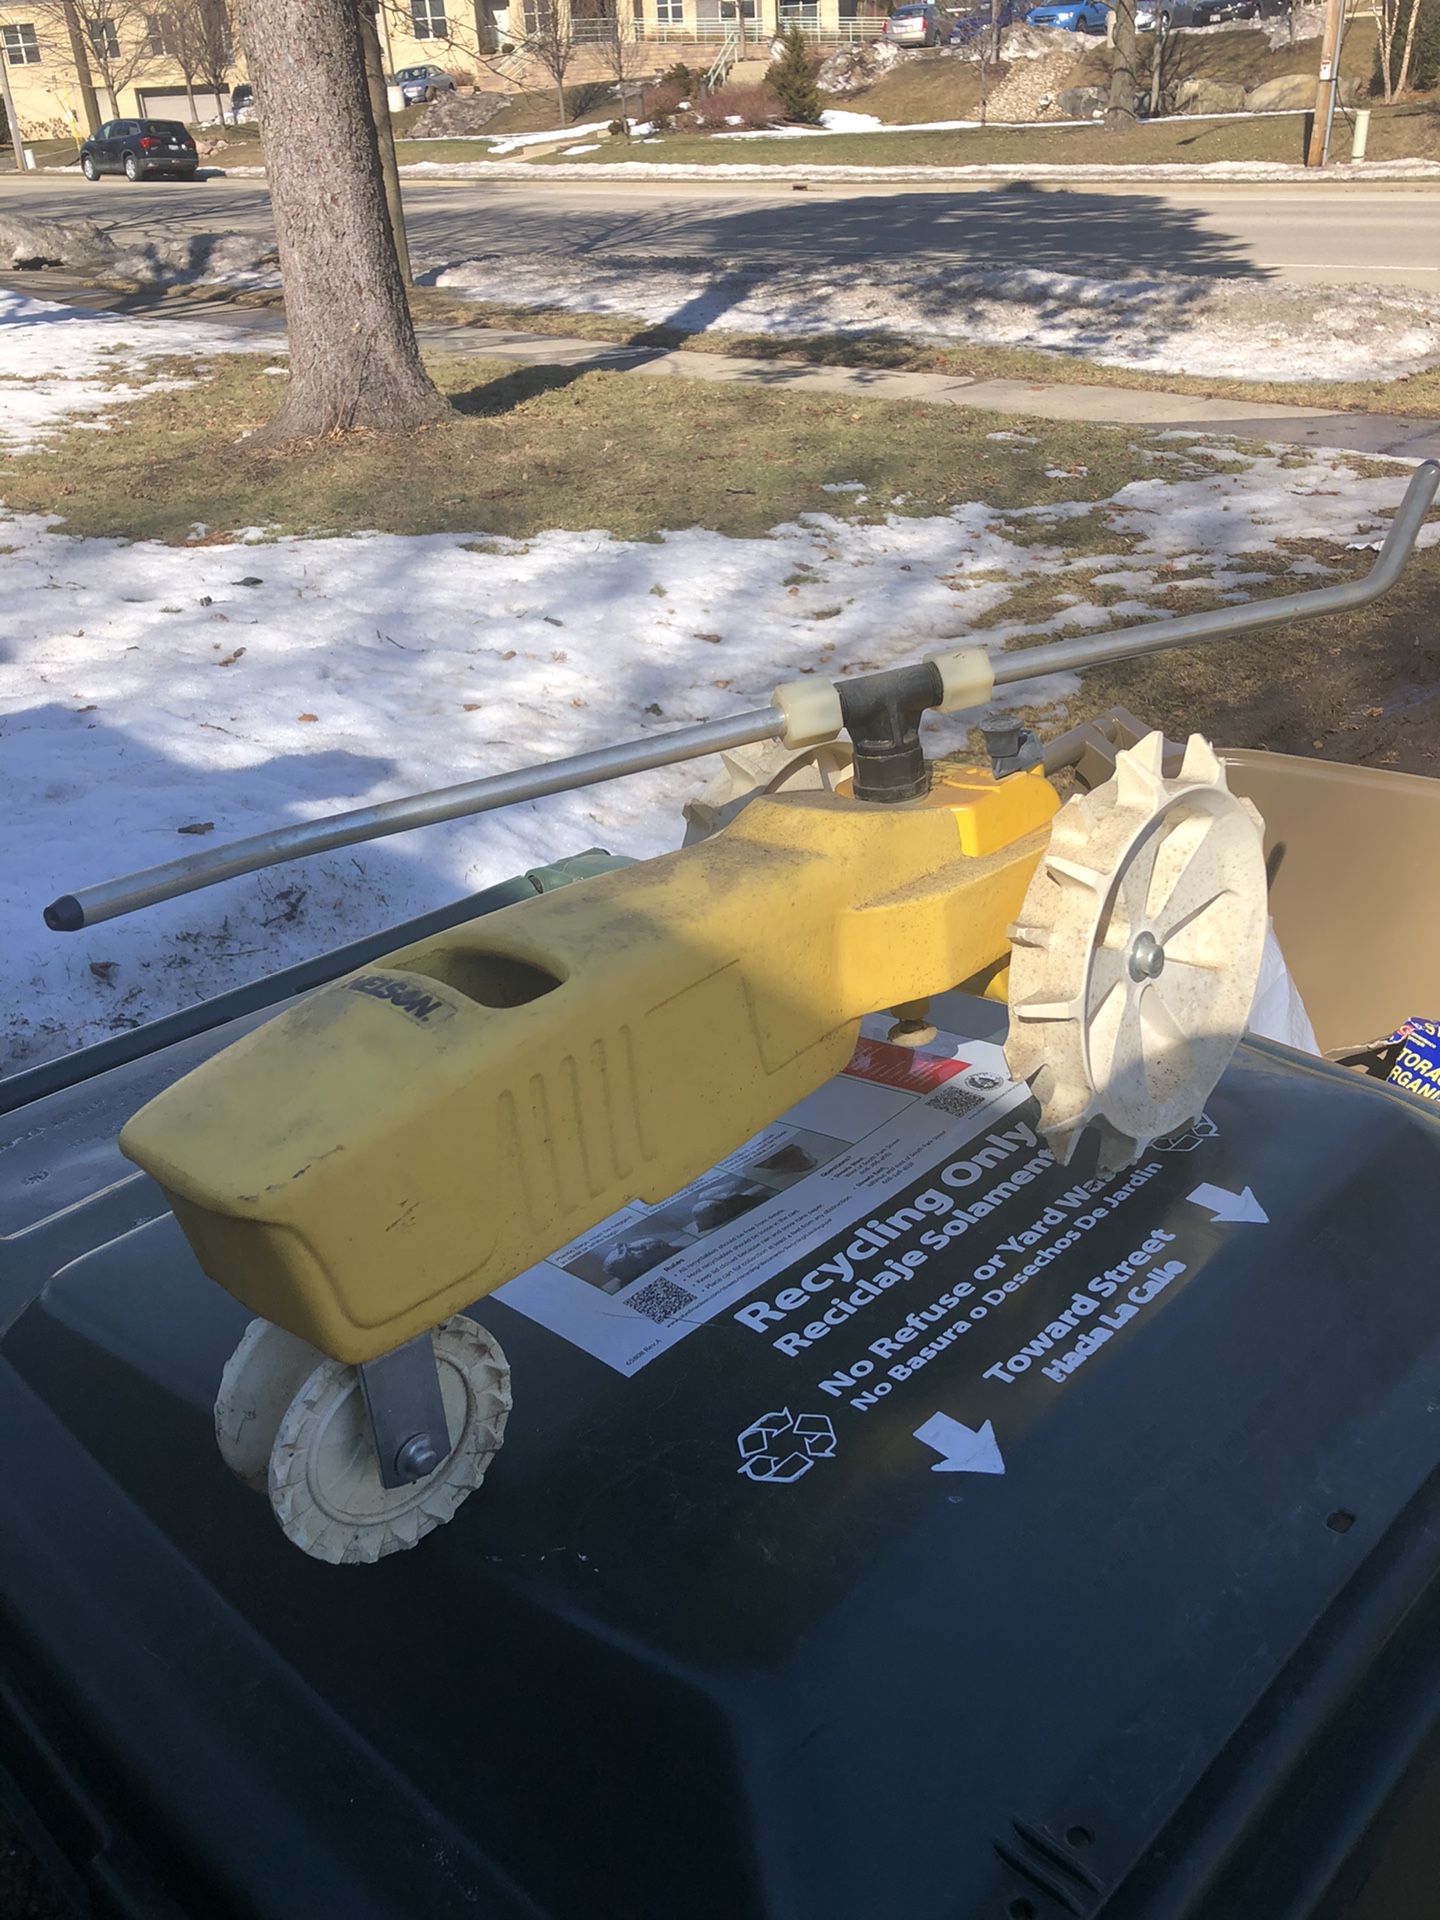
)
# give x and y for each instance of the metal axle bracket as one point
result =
(406, 1412)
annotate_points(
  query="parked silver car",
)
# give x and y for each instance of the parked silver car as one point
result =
(424, 83)
(918, 23)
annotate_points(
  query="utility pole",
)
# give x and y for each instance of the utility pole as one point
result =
(17, 139)
(385, 134)
(1328, 84)
(89, 106)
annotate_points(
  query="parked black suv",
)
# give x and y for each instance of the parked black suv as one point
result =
(140, 149)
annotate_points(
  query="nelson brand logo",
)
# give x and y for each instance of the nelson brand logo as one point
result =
(409, 997)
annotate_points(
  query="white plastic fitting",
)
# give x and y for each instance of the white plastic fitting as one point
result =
(812, 712)
(967, 676)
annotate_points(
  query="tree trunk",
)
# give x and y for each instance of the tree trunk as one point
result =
(190, 96)
(380, 112)
(89, 107)
(353, 357)
(1157, 64)
(1403, 78)
(1386, 17)
(560, 98)
(1121, 112)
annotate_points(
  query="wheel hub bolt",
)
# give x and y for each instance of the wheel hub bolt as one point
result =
(1147, 957)
(417, 1457)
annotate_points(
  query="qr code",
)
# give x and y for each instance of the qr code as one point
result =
(661, 1300)
(955, 1099)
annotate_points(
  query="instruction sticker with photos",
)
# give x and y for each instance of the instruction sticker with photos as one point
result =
(644, 1278)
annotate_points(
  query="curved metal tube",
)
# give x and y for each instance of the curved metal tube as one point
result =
(111, 898)
(1232, 623)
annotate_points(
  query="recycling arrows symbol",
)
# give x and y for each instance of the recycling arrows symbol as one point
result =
(961, 1449)
(781, 1447)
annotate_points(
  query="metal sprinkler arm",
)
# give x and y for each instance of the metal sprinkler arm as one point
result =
(112, 898)
(804, 713)
(1232, 623)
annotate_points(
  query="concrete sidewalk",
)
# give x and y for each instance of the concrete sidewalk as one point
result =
(1397, 435)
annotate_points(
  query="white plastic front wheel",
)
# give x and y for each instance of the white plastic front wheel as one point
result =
(261, 1378)
(324, 1480)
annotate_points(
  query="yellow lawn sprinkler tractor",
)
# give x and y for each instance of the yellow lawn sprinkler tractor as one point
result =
(387, 1152)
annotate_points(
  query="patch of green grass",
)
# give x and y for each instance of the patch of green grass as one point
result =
(49, 153)
(1400, 132)
(532, 448)
(1364, 689)
(446, 152)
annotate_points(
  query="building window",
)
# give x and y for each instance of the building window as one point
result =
(104, 41)
(160, 36)
(22, 49)
(670, 13)
(428, 19)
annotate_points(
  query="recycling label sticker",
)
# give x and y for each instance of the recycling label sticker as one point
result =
(900, 1255)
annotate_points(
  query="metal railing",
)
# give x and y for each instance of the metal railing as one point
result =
(720, 66)
(705, 33)
(724, 34)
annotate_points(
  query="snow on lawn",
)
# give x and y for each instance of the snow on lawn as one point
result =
(513, 142)
(1157, 173)
(54, 361)
(1243, 328)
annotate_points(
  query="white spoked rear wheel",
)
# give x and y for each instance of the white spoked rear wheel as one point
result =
(324, 1479)
(1136, 955)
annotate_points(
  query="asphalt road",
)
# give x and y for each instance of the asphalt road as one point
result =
(1318, 236)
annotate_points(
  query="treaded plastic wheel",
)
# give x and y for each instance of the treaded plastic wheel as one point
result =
(261, 1378)
(324, 1480)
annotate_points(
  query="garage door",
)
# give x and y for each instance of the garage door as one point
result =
(164, 103)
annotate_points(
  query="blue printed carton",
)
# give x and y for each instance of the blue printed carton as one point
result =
(1417, 1065)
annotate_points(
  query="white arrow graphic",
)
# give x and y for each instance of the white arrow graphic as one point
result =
(1224, 1205)
(961, 1450)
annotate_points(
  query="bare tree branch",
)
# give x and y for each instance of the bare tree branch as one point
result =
(114, 34)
